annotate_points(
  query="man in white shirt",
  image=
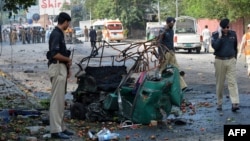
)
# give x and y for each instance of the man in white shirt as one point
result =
(245, 48)
(206, 39)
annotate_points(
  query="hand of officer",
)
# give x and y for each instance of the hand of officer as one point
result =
(219, 32)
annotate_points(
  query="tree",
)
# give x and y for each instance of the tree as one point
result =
(135, 13)
(15, 5)
(76, 9)
(237, 9)
(130, 12)
(168, 8)
(205, 9)
(217, 9)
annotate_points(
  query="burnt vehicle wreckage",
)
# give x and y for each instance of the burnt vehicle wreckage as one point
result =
(110, 93)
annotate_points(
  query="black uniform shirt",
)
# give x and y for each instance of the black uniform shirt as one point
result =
(92, 35)
(226, 46)
(57, 43)
(168, 39)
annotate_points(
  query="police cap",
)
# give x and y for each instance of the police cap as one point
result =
(224, 23)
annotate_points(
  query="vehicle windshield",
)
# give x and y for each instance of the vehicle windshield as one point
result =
(185, 26)
(114, 26)
(155, 30)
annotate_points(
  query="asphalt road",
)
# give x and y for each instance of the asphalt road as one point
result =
(205, 125)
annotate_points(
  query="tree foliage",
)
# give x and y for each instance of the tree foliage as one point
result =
(217, 9)
(16, 5)
(134, 10)
(130, 12)
(137, 12)
(76, 9)
(237, 8)
(168, 8)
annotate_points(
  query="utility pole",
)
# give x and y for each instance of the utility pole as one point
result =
(176, 4)
(90, 17)
(159, 15)
(83, 5)
(90, 13)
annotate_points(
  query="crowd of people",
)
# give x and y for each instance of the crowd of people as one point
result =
(38, 34)
(26, 35)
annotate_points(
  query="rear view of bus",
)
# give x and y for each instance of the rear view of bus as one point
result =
(113, 31)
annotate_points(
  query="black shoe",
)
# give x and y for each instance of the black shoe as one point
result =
(235, 107)
(182, 73)
(219, 108)
(66, 132)
(96, 51)
(186, 89)
(59, 136)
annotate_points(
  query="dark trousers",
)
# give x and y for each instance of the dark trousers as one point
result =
(94, 48)
(93, 44)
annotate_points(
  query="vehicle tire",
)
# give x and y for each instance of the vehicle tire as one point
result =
(198, 50)
(189, 50)
(78, 111)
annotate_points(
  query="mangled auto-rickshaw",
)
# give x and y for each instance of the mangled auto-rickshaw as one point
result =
(123, 82)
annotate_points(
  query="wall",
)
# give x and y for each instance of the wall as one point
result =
(238, 27)
(213, 24)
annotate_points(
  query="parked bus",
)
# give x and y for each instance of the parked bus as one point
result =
(112, 30)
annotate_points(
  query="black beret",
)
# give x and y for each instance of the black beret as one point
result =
(170, 19)
(224, 23)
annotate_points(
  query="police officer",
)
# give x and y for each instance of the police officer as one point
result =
(166, 50)
(34, 35)
(92, 36)
(23, 35)
(28, 35)
(59, 71)
(43, 35)
(224, 43)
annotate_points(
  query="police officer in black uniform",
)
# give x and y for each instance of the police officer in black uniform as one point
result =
(224, 43)
(59, 71)
(166, 50)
